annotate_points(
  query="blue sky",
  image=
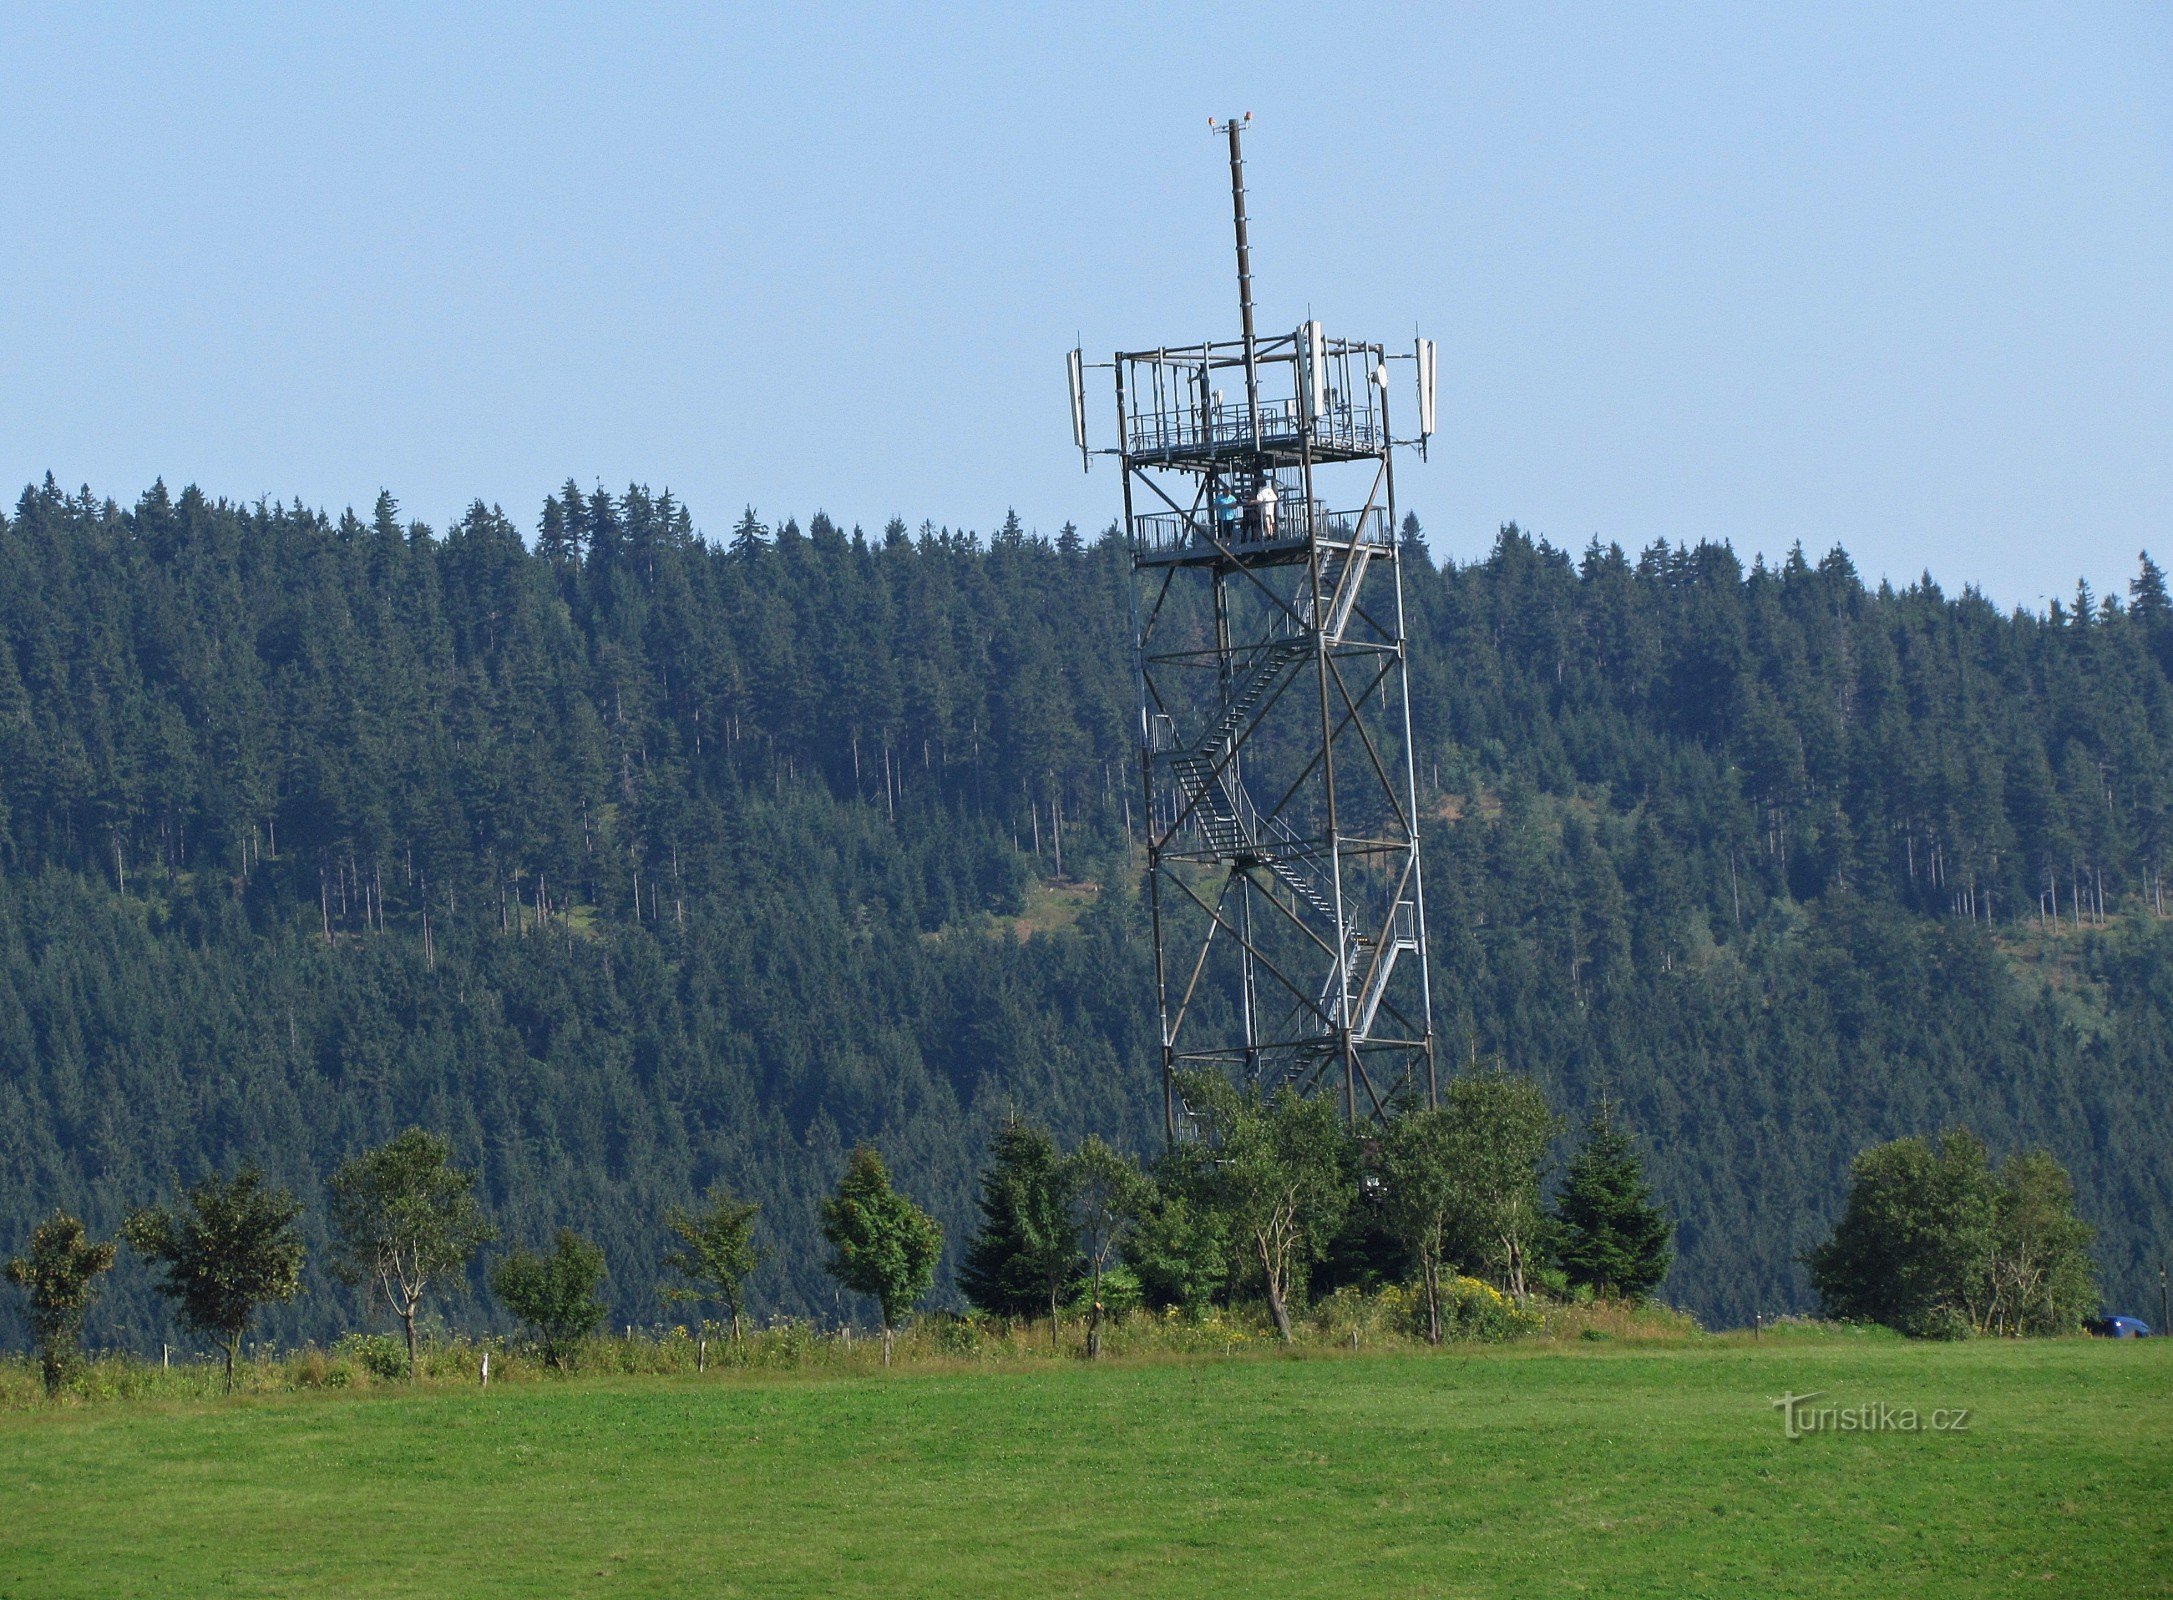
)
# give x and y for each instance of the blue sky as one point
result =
(1900, 278)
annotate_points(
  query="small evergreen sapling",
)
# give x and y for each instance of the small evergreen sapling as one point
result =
(60, 1273)
(1612, 1239)
(232, 1249)
(554, 1292)
(883, 1245)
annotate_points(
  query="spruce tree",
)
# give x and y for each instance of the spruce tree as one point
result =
(1613, 1239)
(1026, 1253)
(749, 537)
(2147, 592)
(1411, 542)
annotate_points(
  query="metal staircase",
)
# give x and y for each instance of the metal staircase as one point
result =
(1370, 978)
(1342, 574)
(1214, 800)
(1218, 804)
(1196, 765)
(1213, 797)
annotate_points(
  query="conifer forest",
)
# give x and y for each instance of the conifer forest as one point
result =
(634, 860)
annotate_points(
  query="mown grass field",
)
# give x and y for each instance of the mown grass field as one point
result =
(1590, 1469)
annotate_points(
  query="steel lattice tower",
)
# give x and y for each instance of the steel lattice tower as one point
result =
(1274, 705)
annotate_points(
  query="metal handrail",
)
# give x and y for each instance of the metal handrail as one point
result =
(1192, 428)
(1253, 825)
(1281, 421)
(1373, 982)
(1258, 826)
(1161, 532)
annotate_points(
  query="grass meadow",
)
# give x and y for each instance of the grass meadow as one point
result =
(1577, 1467)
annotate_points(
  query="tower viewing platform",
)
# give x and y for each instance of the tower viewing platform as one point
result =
(1248, 534)
(1317, 399)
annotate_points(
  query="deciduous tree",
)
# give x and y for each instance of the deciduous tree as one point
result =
(60, 1274)
(231, 1249)
(405, 1218)
(1106, 1195)
(554, 1292)
(1418, 1171)
(882, 1244)
(1913, 1248)
(2043, 1280)
(1278, 1175)
(1499, 1126)
(1935, 1241)
(1178, 1245)
(716, 1251)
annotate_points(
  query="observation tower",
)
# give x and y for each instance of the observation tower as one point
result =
(1275, 755)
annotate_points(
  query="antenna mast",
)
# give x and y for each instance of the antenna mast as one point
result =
(1244, 272)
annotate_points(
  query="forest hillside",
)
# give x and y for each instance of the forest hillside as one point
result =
(632, 859)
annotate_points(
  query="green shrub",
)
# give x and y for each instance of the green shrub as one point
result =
(1474, 1310)
(379, 1354)
(1121, 1296)
(312, 1368)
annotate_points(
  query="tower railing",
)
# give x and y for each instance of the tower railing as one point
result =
(1222, 428)
(1162, 535)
